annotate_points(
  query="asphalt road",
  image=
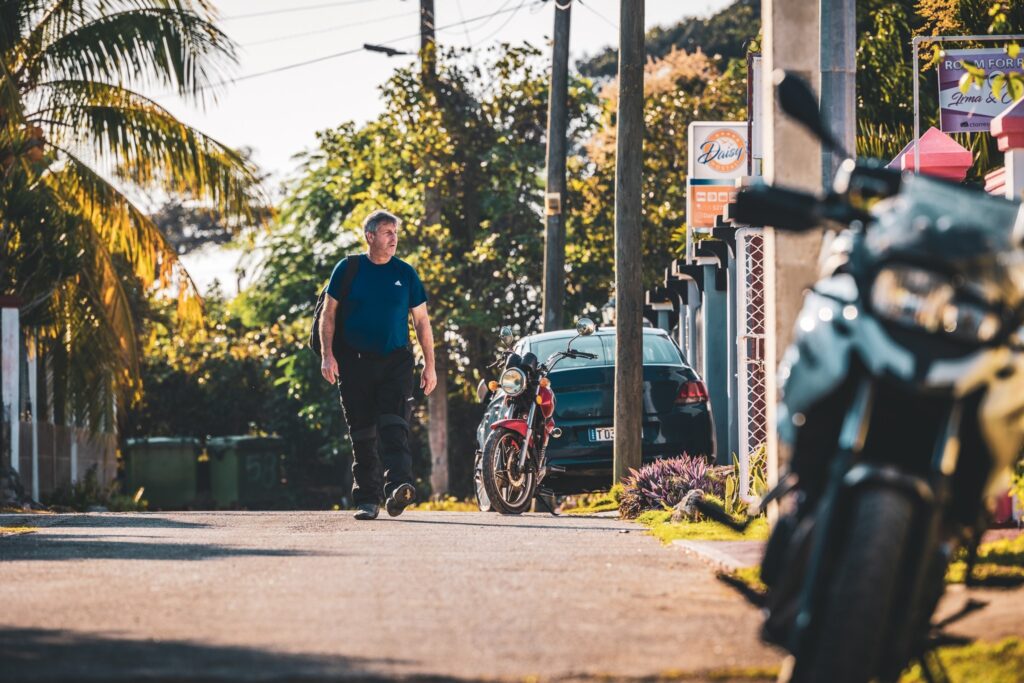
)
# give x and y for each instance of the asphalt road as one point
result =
(319, 596)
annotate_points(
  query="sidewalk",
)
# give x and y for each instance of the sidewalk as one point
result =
(1002, 614)
(732, 555)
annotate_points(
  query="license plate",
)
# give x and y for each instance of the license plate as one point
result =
(602, 434)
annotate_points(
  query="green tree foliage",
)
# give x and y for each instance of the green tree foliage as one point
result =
(885, 76)
(679, 89)
(72, 117)
(482, 144)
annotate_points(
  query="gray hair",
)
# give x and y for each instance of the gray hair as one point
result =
(379, 218)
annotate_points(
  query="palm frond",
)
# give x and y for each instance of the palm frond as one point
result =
(147, 145)
(124, 229)
(111, 302)
(168, 46)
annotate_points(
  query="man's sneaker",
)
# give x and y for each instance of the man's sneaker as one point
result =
(400, 498)
(367, 511)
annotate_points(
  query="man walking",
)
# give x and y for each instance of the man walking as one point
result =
(373, 365)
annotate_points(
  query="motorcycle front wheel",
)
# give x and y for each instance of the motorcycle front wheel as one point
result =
(852, 632)
(509, 490)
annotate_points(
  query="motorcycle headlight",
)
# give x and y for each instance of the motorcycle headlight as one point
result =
(920, 298)
(513, 381)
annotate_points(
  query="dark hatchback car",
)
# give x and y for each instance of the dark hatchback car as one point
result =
(676, 417)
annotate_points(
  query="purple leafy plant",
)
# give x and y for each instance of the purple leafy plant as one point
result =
(663, 483)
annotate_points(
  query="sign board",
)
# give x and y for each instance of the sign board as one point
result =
(717, 156)
(974, 110)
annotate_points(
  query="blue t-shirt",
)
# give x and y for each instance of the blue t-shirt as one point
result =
(377, 312)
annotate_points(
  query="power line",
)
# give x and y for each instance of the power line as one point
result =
(486, 20)
(501, 28)
(329, 29)
(600, 16)
(290, 10)
(343, 53)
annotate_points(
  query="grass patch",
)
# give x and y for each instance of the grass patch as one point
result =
(16, 530)
(592, 503)
(446, 504)
(1000, 662)
(1000, 563)
(660, 526)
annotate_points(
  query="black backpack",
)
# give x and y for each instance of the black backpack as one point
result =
(351, 269)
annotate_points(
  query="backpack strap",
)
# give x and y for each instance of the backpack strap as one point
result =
(351, 269)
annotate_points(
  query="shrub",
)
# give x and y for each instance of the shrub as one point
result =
(757, 484)
(89, 492)
(663, 483)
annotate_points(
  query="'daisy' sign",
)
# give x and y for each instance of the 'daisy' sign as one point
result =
(717, 156)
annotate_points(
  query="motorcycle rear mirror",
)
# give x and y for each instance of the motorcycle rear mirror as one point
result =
(505, 335)
(585, 327)
(799, 102)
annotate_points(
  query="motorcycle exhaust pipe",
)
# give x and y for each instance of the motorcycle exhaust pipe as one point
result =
(556, 433)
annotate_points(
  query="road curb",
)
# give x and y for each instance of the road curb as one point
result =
(726, 555)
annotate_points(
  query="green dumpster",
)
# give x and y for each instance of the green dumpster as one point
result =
(165, 467)
(245, 471)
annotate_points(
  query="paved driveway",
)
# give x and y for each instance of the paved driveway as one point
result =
(318, 596)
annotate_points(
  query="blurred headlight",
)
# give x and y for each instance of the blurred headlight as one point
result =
(919, 298)
(513, 381)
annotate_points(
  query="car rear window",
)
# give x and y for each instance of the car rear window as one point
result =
(546, 347)
(658, 350)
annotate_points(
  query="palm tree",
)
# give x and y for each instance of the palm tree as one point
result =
(75, 131)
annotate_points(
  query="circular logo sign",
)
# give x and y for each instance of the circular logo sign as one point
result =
(723, 151)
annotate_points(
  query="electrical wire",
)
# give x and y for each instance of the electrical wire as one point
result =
(462, 15)
(329, 29)
(289, 10)
(501, 28)
(586, 6)
(343, 53)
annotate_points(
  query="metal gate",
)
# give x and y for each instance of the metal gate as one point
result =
(752, 397)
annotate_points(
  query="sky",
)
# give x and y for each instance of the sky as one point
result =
(278, 114)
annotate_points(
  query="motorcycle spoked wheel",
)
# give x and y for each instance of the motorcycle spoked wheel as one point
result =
(482, 500)
(510, 491)
(851, 635)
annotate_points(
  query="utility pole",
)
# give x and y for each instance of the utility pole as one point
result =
(437, 402)
(628, 261)
(554, 201)
(838, 49)
(792, 157)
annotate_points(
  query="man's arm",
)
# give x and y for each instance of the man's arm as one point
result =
(328, 364)
(421, 321)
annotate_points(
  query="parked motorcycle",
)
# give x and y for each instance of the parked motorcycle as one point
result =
(902, 406)
(512, 461)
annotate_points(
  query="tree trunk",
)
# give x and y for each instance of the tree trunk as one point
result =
(437, 423)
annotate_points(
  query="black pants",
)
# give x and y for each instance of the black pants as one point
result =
(376, 397)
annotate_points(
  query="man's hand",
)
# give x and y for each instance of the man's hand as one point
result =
(329, 368)
(428, 380)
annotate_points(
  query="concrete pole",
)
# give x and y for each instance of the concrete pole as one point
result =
(629, 296)
(838, 50)
(10, 372)
(33, 399)
(793, 158)
(716, 358)
(558, 124)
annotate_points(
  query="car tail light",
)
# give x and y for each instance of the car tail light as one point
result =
(692, 392)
